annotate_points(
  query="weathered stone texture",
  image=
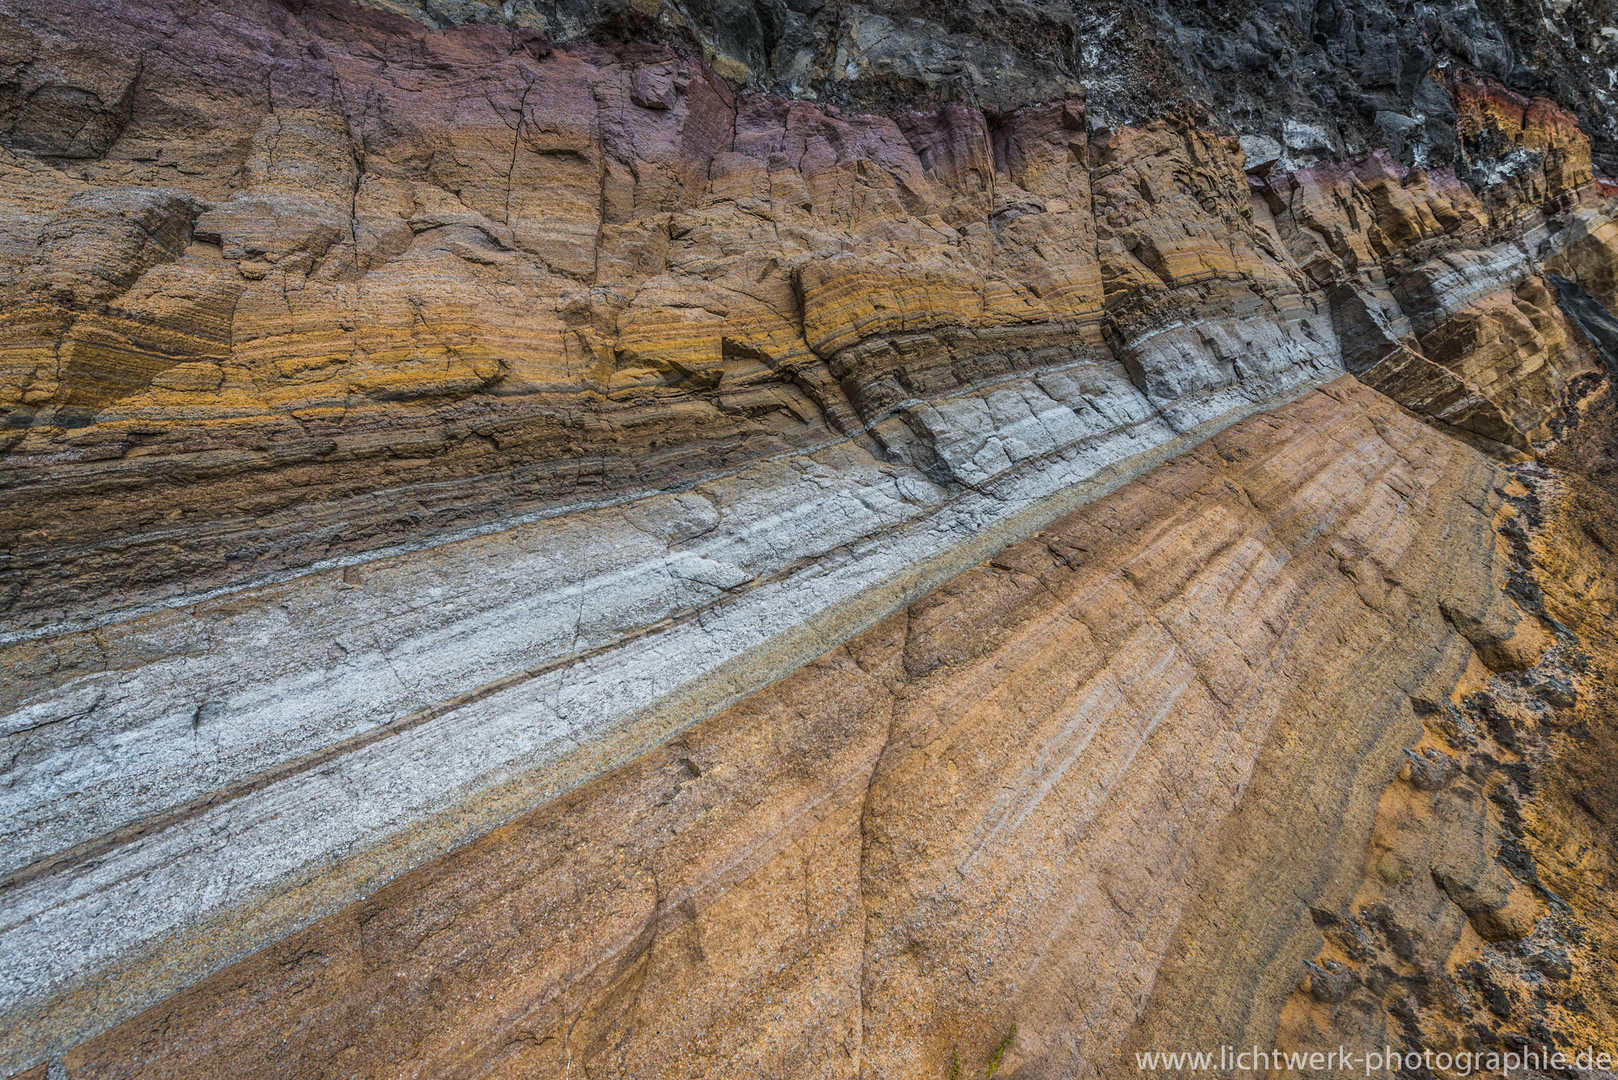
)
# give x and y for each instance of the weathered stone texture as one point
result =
(485, 516)
(993, 808)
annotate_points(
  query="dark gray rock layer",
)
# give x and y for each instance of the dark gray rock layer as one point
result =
(1317, 79)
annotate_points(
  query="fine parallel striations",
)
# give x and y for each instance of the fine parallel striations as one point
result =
(429, 451)
(993, 808)
(397, 456)
(1471, 919)
(615, 278)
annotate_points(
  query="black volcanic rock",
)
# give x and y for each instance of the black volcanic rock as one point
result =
(1326, 78)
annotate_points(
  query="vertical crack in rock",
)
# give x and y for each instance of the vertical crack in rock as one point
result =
(866, 838)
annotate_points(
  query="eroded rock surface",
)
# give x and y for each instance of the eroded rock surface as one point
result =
(1308, 81)
(993, 808)
(526, 548)
(1481, 923)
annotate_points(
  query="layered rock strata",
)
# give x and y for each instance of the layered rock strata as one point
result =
(409, 432)
(992, 809)
(1030, 819)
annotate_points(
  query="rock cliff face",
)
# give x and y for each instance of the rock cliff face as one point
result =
(635, 539)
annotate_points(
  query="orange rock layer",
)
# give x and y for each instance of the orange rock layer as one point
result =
(378, 282)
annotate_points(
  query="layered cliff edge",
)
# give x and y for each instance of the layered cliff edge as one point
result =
(531, 551)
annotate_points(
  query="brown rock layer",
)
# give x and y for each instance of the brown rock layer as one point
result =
(1477, 921)
(301, 284)
(1434, 289)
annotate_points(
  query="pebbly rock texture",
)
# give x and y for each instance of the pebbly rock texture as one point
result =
(589, 547)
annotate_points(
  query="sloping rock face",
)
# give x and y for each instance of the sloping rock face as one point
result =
(523, 556)
(992, 809)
